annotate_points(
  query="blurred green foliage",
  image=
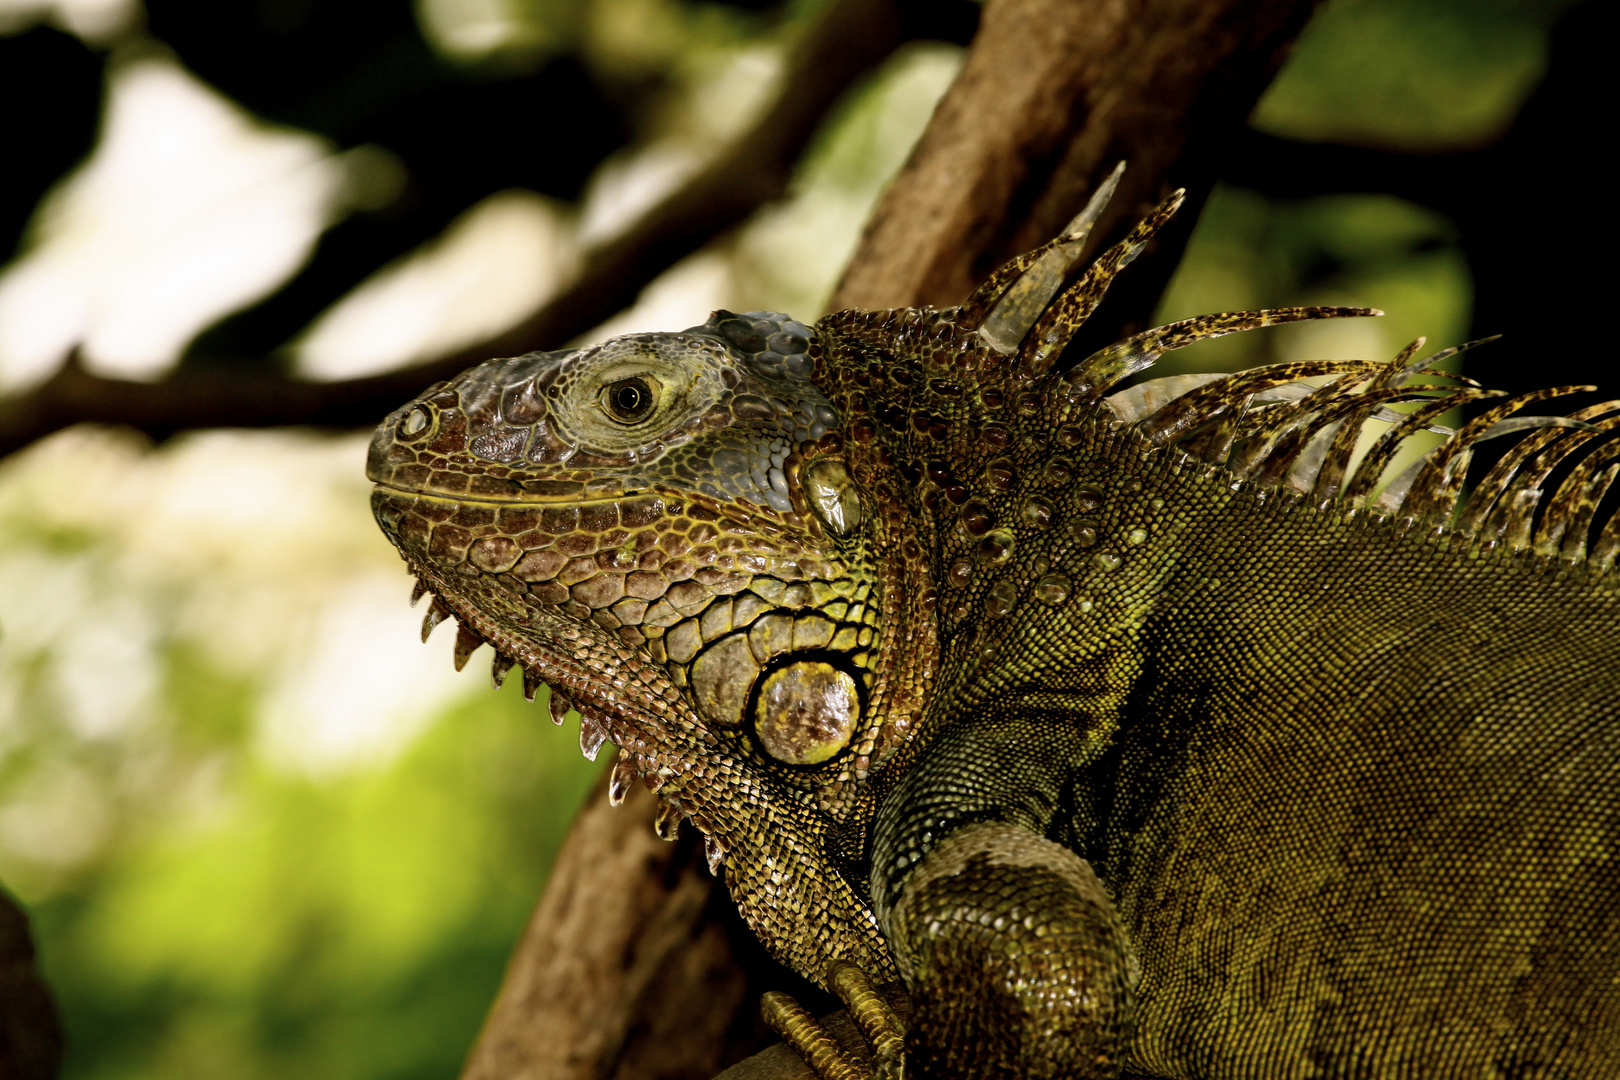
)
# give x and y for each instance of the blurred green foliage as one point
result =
(1374, 250)
(350, 929)
(213, 895)
(1426, 76)
(207, 907)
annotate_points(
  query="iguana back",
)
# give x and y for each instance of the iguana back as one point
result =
(1359, 817)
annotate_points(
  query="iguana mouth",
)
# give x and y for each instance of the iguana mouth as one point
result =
(473, 630)
(527, 499)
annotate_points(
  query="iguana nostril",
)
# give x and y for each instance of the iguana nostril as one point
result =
(416, 421)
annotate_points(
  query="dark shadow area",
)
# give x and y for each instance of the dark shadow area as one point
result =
(1537, 247)
(51, 85)
(30, 1032)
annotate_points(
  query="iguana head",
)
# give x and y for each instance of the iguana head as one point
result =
(664, 527)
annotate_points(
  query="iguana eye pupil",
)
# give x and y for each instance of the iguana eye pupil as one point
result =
(628, 399)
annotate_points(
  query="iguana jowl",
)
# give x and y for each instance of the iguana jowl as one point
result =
(1135, 729)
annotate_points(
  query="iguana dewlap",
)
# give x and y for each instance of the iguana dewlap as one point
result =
(1147, 728)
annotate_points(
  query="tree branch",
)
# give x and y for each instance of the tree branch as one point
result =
(850, 39)
(626, 968)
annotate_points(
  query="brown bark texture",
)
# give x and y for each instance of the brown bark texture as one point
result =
(623, 972)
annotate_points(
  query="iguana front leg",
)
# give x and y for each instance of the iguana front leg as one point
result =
(1017, 964)
(1018, 967)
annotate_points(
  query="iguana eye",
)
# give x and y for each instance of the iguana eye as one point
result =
(628, 400)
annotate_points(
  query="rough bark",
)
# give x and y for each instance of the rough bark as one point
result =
(1052, 94)
(634, 964)
(589, 990)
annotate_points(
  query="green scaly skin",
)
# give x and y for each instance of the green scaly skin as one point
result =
(1130, 735)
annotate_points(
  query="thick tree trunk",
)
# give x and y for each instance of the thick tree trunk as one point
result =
(624, 969)
(633, 965)
(1053, 94)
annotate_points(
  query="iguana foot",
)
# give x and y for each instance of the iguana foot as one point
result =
(827, 1058)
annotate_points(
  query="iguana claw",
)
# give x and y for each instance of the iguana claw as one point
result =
(827, 1057)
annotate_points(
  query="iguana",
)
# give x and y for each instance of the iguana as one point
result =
(1152, 729)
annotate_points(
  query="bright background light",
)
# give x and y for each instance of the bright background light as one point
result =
(187, 210)
(488, 270)
(96, 21)
(231, 779)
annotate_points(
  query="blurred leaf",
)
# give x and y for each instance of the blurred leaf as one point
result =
(1419, 74)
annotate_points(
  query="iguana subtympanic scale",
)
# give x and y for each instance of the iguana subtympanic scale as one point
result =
(1149, 728)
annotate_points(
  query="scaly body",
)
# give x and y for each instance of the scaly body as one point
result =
(1131, 729)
